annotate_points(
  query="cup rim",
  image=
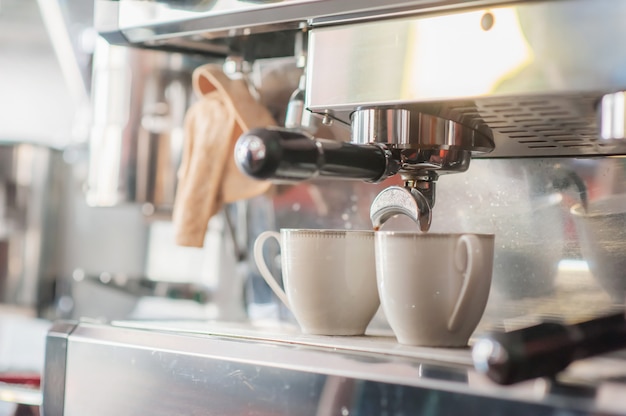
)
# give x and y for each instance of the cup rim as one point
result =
(325, 231)
(431, 234)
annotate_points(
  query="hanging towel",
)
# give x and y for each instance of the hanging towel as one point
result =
(208, 176)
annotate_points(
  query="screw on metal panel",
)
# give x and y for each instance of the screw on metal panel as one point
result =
(487, 21)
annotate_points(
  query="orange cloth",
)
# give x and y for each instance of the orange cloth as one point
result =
(208, 176)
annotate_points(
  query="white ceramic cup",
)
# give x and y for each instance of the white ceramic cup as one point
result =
(433, 287)
(329, 278)
(602, 236)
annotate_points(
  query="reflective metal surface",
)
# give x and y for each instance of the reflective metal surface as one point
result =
(373, 125)
(165, 368)
(511, 69)
(612, 116)
(526, 85)
(30, 204)
(139, 103)
(160, 22)
(54, 377)
(396, 200)
(400, 129)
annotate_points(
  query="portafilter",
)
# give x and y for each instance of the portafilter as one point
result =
(384, 142)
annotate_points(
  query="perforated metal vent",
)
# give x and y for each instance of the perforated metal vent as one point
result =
(537, 125)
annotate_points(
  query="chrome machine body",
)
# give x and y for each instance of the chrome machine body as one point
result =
(423, 88)
(434, 89)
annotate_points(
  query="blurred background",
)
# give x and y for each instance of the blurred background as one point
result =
(37, 103)
(37, 118)
(49, 237)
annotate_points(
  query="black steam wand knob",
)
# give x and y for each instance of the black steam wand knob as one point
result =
(546, 349)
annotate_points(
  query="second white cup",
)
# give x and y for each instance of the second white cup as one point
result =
(329, 278)
(433, 287)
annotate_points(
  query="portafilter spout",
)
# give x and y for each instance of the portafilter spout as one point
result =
(381, 147)
(396, 200)
(425, 146)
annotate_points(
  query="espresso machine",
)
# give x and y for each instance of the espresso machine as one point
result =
(516, 110)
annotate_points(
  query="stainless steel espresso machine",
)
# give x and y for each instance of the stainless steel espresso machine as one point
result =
(523, 100)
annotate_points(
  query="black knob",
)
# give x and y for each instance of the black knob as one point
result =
(546, 349)
(283, 154)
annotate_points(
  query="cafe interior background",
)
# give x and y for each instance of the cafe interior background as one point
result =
(91, 138)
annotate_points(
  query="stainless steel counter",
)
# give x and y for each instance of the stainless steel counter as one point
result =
(206, 368)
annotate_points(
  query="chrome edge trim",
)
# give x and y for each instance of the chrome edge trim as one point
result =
(54, 376)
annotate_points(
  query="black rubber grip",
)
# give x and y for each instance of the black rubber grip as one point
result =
(291, 155)
(546, 349)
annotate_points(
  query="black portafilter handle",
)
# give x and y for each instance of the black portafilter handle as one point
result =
(546, 349)
(275, 153)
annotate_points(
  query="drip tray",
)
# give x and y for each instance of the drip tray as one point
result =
(186, 367)
(379, 341)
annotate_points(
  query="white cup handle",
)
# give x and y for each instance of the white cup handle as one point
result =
(468, 259)
(259, 259)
